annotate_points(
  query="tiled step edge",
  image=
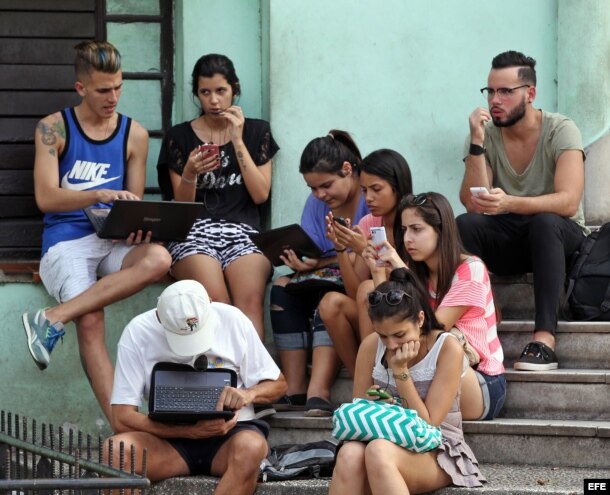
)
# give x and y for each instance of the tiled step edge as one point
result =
(515, 325)
(559, 376)
(501, 479)
(535, 442)
(510, 426)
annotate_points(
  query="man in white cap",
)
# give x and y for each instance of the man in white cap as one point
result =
(186, 326)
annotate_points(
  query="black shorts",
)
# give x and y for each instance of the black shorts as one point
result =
(199, 454)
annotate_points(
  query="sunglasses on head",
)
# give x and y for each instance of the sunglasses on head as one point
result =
(418, 199)
(393, 297)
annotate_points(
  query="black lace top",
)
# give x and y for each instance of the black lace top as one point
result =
(222, 191)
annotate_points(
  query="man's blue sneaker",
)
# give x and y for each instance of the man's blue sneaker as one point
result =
(42, 336)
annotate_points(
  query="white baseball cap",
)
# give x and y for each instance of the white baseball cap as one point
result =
(185, 311)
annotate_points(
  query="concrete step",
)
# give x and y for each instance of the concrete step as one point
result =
(568, 443)
(515, 295)
(558, 394)
(579, 344)
(501, 480)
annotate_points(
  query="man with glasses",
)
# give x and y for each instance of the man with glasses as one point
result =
(530, 217)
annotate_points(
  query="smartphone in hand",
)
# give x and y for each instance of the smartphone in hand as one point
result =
(340, 220)
(378, 236)
(476, 191)
(377, 392)
(210, 149)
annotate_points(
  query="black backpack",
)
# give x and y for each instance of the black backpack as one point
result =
(292, 461)
(588, 278)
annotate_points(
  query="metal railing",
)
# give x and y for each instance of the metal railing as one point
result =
(47, 465)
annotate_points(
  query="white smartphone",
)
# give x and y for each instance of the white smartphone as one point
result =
(378, 236)
(475, 191)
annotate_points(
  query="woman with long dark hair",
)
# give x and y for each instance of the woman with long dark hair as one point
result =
(330, 166)
(223, 160)
(459, 290)
(385, 178)
(420, 366)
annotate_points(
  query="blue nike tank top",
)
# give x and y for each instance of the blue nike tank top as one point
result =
(84, 165)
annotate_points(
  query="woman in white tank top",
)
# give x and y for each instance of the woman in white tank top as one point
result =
(421, 366)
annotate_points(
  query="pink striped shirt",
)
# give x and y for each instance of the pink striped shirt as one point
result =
(471, 287)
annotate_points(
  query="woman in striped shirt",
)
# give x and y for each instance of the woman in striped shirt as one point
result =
(460, 293)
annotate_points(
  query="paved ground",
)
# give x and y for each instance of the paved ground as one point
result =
(503, 480)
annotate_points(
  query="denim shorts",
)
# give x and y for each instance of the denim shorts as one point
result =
(298, 324)
(494, 394)
(315, 336)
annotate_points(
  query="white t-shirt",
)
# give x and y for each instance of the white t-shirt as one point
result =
(236, 346)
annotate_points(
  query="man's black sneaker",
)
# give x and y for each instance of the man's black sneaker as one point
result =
(537, 357)
(294, 402)
(263, 410)
(317, 407)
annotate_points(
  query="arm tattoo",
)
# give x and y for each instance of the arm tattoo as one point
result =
(49, 133)
(240, 159)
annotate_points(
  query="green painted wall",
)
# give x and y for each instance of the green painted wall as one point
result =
(60, 394)
(397, 74)
(584, 65)
(229, 27)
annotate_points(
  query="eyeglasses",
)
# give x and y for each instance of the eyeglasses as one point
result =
(489, 93)
(393, 297)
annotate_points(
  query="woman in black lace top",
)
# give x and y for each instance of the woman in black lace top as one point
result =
(222, 159)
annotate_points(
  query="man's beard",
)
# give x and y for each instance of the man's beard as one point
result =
(512, 118)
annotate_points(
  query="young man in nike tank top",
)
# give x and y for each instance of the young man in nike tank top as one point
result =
(89, 155)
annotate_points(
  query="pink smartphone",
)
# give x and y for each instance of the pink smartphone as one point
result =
(210, 149)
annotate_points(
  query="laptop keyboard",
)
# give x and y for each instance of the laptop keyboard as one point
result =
(97, 221)
(184, 399)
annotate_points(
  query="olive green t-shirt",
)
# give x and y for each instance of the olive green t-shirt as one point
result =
(558, 133)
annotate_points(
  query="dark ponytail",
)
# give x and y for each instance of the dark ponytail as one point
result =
(327, 154)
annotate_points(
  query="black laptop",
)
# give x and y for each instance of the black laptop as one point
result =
(181, 394)
(273, 243)
(167, 220)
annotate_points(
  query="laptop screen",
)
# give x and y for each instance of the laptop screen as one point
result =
(189, 379)
(180, 393)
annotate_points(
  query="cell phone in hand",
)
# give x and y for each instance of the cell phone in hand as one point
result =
(210, 149)
(476, 191)
(340, 220)
(378, 236)
(376, 392)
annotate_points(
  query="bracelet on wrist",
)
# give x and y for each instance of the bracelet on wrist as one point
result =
(188, 181)
(340, 250)
(402, 376)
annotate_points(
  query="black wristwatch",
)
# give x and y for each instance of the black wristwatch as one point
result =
(476, 150)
